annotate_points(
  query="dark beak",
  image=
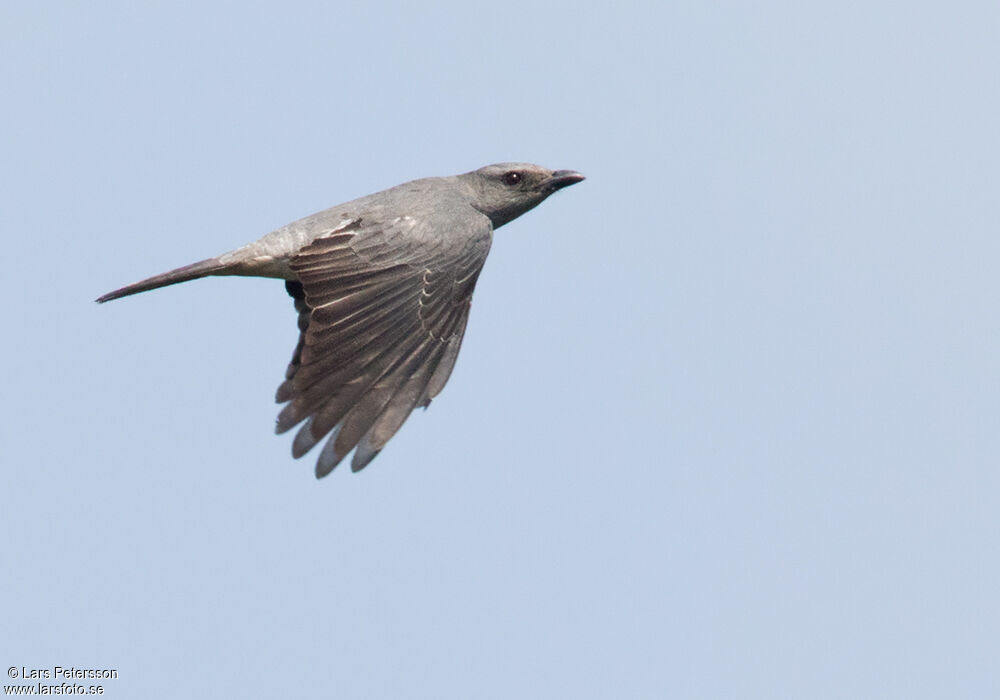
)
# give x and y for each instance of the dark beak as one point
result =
(562, 178)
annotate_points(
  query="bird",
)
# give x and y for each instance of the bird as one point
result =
(382, 285)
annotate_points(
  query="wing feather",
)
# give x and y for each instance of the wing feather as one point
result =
(381, 318)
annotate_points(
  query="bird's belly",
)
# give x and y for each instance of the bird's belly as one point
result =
(265, 266)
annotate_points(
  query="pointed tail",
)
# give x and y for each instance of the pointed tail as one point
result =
(181, 274)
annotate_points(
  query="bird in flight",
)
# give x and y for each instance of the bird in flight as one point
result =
(382, 286)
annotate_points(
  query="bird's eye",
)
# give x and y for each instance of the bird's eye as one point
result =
(511, 178)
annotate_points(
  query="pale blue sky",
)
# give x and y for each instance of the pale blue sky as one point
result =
(726, 421)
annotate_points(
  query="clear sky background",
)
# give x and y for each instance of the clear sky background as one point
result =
(726, 421)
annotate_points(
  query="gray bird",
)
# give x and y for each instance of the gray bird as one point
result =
(382, 285)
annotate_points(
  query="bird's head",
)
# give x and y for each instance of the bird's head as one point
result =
(504, 191)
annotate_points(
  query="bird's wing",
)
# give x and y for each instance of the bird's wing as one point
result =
(381, 314)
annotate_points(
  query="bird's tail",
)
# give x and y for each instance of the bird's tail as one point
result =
(193, 271)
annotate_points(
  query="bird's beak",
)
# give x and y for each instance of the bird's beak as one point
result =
(562, 178)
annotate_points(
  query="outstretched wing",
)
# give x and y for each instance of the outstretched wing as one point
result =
(382, 311)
